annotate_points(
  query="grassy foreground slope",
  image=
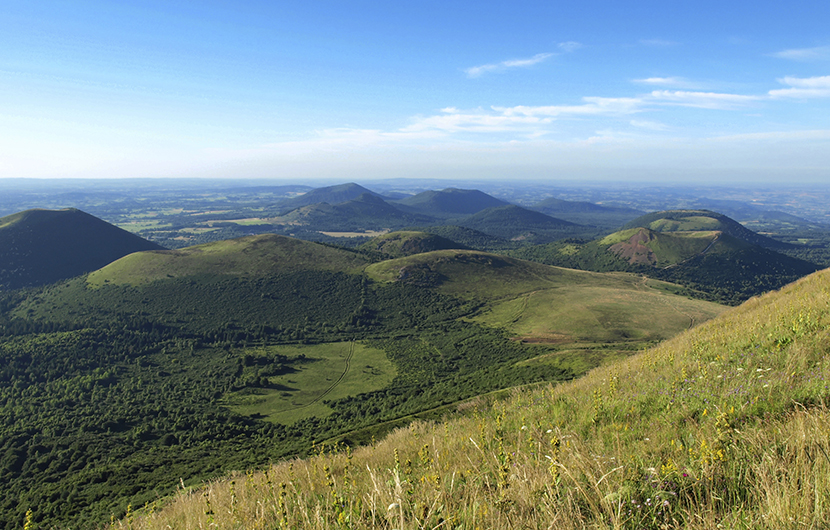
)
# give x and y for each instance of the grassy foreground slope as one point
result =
(724, 426)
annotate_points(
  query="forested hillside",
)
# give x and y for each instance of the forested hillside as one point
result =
(187, 364)
(724, 426)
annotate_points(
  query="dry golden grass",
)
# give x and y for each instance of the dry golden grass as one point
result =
(725, 426)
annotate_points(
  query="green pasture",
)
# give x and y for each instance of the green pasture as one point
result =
(687, 223)
(322, 372)
(478, 275)
(597, 314)
(253, 256)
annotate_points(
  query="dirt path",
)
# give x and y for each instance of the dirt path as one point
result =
(334, 384)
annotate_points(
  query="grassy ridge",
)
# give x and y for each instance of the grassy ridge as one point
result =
(723, 426)
(260, 256)
(406, 243)
(598, 314)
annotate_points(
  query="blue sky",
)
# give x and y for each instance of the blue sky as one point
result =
(665, 91)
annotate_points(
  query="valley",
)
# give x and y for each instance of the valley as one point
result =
(166, 367)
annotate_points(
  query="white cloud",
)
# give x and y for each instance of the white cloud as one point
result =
(702, 100)
(538, 58)
(529, 121)
(806, 87)
(477, 71)
(650, 125)
(592, 106)
(819, 53)
(481, 121)
(569, 46)
(675, 82)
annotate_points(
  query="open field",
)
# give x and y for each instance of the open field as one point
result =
(597, 314)
(326, 371)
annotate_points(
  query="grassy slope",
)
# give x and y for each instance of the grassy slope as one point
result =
(695, 220)
(577, 310)
(668, 249)
(248, 256)
(404, 243)
(723, 426)
(331, 371)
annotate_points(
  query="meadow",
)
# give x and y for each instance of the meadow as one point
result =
(315, 374)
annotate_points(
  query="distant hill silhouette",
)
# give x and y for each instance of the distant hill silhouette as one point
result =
(582, 212)
(450, 202)
(366, 212)
(514, 221)
(39, 247)
(329, 195)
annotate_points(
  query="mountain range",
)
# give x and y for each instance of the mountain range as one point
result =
(197, 361)
(152, 370)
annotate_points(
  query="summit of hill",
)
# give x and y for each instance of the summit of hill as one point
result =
(701, 220)
(39, 247)
(365, 212)
(329, 194)
(451, 202)
(703, 250)
(405, 243)
(247, 257)
(511, 222)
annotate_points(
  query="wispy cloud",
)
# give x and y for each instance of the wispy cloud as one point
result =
(819, 53)
(569, 46)
(650, 125)
(703, 100)
(674, 82)
(593, 106)
(623, 117)
(452, 120)
(477, 71)
(530, 121)
(803, 87)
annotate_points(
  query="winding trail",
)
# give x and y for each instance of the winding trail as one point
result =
(702, 252)
(335, 383)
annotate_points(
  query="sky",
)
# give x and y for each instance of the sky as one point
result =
(672, 91)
